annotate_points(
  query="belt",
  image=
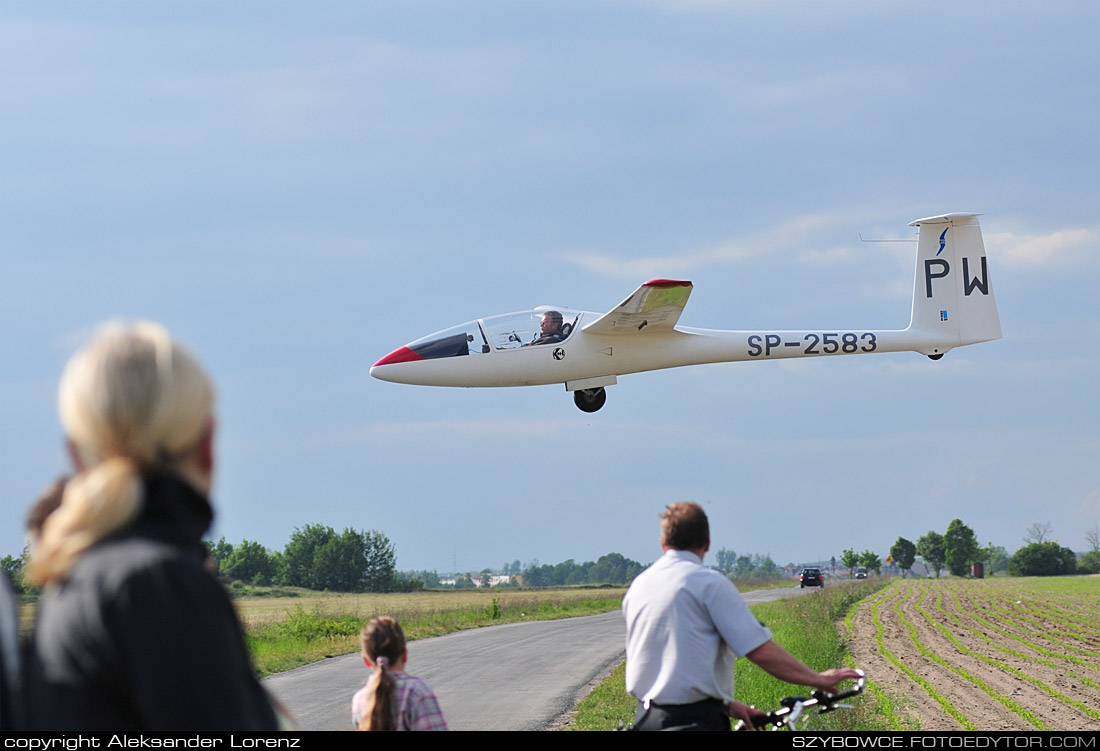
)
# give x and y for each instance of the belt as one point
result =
(673, 707)
(708, 714)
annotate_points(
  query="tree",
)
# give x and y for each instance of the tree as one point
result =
(742, 567)
(765, 567)
(931, 549)
(219, 551)
(1092, 537)
(849, 560)
(613, 568)
(997, 558)
(960, 547)
(13, 568)
(355, 561)
(380, 561)
(1089, 563)
(1038, 532)
(1043, 559)
(726, 559)
(904, 553)
(870, 560)
(248, 562)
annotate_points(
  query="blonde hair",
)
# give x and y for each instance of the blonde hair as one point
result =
(129, 400)
(381, 639)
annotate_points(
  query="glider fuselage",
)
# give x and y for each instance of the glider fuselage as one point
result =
(584, 356)
(953, 306)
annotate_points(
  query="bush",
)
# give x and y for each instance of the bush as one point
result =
(1043, 559)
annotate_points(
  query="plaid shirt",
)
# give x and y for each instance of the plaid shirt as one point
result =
(416, 707)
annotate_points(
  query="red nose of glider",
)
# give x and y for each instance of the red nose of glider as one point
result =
(402, 354)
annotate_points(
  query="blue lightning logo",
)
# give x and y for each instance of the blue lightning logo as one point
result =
(942, 241)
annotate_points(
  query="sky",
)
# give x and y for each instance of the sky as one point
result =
(296, 190)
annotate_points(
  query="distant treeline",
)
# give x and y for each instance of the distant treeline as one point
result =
(747, 565)
(612, 568)
(316, 557)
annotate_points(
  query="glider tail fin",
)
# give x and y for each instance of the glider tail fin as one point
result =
(953, 303)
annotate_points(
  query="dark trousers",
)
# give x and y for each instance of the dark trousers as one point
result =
(709, 714)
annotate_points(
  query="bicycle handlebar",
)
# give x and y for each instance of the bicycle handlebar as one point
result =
(793, 706)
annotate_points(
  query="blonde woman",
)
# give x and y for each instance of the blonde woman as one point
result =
(132, 632)
(392, 699)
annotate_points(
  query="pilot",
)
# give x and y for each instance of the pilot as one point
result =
(550, 329)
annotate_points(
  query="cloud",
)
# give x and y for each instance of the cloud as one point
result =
(1020, 252)
(800, 230)
(1090, 505)
(490, 431)
(826, 256)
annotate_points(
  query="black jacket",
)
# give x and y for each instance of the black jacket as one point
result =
(11, 693)
(141, 637)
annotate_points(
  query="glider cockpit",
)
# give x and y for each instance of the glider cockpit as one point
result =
(530, 328)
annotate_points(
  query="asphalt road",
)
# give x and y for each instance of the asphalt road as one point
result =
(519, 676)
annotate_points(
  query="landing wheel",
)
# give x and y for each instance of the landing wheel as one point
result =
(590, 400)
(935, 357)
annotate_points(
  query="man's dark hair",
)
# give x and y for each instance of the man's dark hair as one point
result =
(684, 526)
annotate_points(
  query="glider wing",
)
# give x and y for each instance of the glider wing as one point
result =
(655, 306)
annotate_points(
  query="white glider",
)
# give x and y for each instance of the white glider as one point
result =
(953, 305)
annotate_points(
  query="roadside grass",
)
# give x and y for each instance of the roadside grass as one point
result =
(607, 707)
(805, 626)
(319, 627)
(751, 585)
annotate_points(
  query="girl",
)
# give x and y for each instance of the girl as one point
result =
(392, 699)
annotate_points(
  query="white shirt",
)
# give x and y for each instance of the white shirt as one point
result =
(685, 626)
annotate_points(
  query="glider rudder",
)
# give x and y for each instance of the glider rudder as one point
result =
(953, 303)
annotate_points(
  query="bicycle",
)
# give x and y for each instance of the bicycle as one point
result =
(793, 707)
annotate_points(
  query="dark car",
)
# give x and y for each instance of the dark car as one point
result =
(811, 577)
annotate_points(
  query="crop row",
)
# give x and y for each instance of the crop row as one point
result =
(1031, 652)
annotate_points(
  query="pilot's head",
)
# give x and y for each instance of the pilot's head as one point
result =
(551, 322)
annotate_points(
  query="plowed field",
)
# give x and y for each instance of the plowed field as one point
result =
(994, 654)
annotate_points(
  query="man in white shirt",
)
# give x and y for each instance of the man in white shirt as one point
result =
(685, 626)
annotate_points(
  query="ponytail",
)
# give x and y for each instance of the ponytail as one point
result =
(383, 643)
(96, 503)
(381, 688)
